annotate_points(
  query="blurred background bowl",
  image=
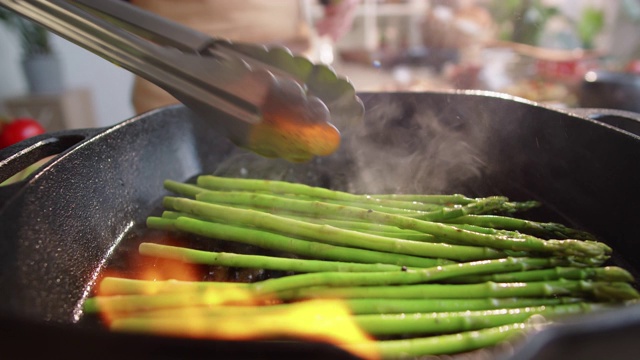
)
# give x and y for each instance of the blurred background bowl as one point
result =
(610, 89)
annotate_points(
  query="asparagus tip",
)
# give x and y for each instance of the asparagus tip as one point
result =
(615, 291)
(613, 273)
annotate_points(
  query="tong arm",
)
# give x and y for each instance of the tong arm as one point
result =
(148, 25)
(163, 66)
(257, 104)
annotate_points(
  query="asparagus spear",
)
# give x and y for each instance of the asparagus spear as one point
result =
(408, 236)
(283, 187)
(327, 273)
(496, 230)
(443, 199)
(112, 285)
(481, 206)
(607, 273)
(430, 212)
(412, 201)
(348, 224)
(487, 205)
(191, 190)
(271, 327)
(512, 207)
(442, 231)
(257, 261)
(403, 306)
(376, 324)
(443, 214)
(447, 215)
(273, 241)
(434, 204)
(174, 303)
(184, 189)
(410, 276)
(450, 344)
(594, 260)
(360, 226)
(455, 199)
(546, 230)
(447, 322)
(138, 306)
(325, 233)
(298, 321)
(292, 288)
(424, 208)
(603, 291)
(125, 305)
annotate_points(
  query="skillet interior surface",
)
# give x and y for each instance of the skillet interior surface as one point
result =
(62, 226)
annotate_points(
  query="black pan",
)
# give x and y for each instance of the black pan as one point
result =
(60, 226)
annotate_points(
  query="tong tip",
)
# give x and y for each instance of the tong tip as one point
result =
(294, 126)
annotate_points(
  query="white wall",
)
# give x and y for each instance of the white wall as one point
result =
(12, 81)
(110, 86)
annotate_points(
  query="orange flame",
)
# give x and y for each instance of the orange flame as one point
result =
(156, 303)
(316, 320)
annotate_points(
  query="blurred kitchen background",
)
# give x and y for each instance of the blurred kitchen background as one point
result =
(536, 49)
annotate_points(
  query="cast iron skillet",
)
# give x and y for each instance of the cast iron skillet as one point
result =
(60, 225)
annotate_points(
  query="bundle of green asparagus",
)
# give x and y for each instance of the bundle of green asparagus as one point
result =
(418, 274)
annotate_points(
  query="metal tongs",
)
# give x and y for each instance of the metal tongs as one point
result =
(264, 99)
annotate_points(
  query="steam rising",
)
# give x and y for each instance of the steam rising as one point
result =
(407, 147)
(404, 146)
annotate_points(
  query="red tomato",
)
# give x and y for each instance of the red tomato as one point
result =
(19, 129)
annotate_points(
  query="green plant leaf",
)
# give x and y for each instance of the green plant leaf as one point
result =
(33, 37)
(589, 26)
